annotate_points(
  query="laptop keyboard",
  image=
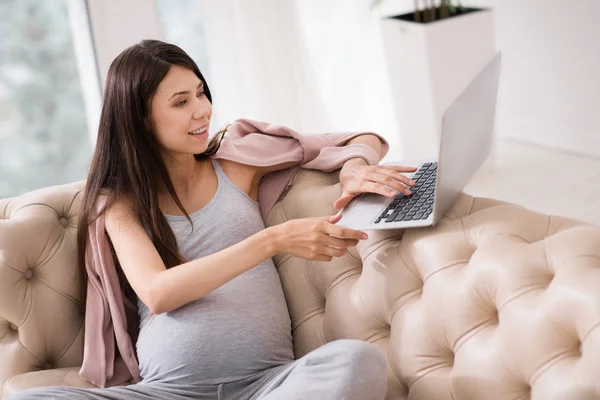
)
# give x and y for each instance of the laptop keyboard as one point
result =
(417, 206)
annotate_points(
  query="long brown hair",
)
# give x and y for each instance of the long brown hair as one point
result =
(126, 159)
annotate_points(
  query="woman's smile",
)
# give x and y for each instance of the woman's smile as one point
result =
(200, 133)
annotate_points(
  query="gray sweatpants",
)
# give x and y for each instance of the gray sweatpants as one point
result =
(339, 370)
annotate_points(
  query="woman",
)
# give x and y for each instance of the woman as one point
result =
(187, 234)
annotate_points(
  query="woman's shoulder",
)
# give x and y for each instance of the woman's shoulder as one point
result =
(235, 168)
(119, 210)
(236, 164)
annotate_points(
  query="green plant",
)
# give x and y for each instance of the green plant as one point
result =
(430, 11)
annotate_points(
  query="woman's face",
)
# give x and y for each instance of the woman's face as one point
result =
(180, 113)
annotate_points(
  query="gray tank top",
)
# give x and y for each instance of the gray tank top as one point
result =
(240, 328)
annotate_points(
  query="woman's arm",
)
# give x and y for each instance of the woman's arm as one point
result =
(370, 140)
(163, 289)
(357, 176)
(367, 139)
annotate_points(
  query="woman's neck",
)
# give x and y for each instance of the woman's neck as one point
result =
(184, 173)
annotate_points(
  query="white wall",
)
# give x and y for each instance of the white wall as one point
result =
(550, 87)
(118, 24)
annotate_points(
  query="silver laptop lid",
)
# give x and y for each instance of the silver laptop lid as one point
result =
(468, 126)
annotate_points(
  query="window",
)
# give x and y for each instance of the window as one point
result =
(44, 137)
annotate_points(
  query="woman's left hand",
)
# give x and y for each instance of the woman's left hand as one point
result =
(357, 177)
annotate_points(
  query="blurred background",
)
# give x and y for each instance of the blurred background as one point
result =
(316, 66)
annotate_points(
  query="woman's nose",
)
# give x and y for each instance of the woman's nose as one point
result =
(203, 108)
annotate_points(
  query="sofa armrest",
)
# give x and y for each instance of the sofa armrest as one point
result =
(49, 377)
(41, 291)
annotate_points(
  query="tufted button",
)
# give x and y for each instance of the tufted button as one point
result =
(28, 274)
(13, 327)
(63, 221)
(451, 358)
(47, 365)
(495, 317)
(550, 278)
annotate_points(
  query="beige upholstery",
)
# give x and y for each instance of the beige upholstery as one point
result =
(496, 302)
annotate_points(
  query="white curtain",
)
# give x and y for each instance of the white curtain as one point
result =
(345, 45)
(258, 64)
(313, 65)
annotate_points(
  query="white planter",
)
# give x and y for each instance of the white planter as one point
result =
(429, 65)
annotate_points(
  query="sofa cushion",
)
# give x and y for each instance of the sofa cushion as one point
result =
(52, 377)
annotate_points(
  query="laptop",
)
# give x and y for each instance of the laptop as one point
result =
(465, 143)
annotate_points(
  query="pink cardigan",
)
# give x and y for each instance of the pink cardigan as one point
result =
(111, 319)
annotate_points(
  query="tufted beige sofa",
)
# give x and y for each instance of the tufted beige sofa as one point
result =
(496, 302)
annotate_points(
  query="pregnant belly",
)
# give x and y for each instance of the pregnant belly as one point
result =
(229, 334)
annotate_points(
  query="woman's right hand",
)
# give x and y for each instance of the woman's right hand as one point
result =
(317, 239)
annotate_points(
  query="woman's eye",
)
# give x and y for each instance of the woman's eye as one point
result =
(184, 102)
